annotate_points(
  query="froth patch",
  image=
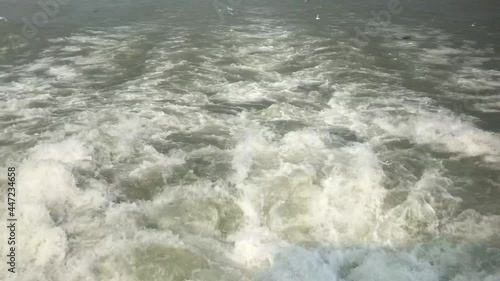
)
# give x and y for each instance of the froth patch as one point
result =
(433, 261)
(348, 208)
(46, 174)
(349, 264)
(256, 246)
(67, 151)
(48, 192)
(444, 133)
(473, 226)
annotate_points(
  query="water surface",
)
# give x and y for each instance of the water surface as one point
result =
(156, 142)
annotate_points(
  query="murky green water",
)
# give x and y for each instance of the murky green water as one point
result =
(156, 142)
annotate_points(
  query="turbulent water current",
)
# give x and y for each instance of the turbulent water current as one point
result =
(167, 140)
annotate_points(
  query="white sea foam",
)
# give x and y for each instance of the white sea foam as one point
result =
(445, 132)
(137, 178)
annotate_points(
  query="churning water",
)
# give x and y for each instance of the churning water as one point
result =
(155, 141)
